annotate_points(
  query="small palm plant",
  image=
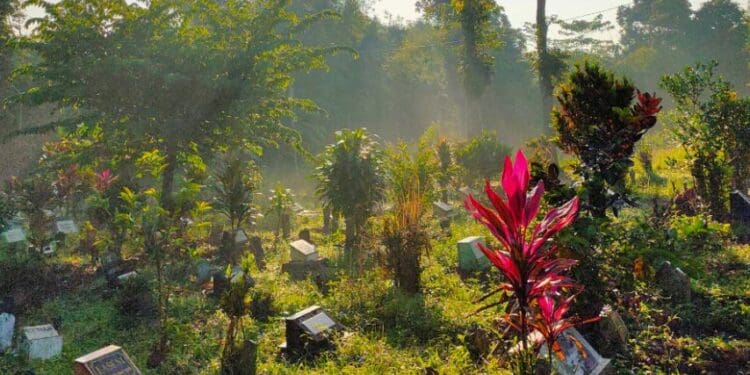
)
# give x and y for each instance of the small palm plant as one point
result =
(351, 181)
(535, 278)
(234, 189)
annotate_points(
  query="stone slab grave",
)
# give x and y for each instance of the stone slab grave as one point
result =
(41, 342)
(578, 361)
(14, 235)
(470, 256)
(303, 251)
(110, 360)
(66, 226)
(7, 325)
(740, 207)
(612, 333)
(308, 332)
(674, 282)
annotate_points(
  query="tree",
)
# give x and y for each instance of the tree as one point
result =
(179, 76)
(595, 121)
(351, 181)
(712, 125)
(720, 32)
(544, 61)
(234, 190)
(476, 20)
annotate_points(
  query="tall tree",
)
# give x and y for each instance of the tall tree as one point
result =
(177, 76)
(544, 63)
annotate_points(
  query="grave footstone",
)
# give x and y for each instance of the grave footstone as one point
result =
(304, 234)
(7, 325)
(256, 246)
(221, 284)
(470, 256)
(674, 282)
(110, 360)
(66, 226)
(240, 237)
(203, 271)
(612, 331)
(14, 235)
(42, 342)
(579, 357)
(308, 332)
(50, 248)
(443, 210)
(740, 207)
(303, 251)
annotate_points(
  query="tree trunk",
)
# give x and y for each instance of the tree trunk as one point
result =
(543, 64)
(167, 183)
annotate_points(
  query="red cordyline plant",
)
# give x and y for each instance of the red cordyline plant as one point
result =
(104, 180)
(534, 276)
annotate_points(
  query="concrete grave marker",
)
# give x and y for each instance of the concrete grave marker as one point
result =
(307, 331)
(443, 210)
(49, 248)
(203, 271)
(740, 207)
(110, 360)
(127, 276)
(240, 236)
(66, 226)
(42, 342)
(7, 325)
(470, 256)
(14, 235)
(674, 282)
(576, 362)
(303, 251)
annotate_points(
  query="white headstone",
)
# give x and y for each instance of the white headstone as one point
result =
(442, 209)
(14, 235)
(7, 324)
(66, 226)
(576, 363)
(42, 342)
(127, 276)
(240, 236)
(303, 251)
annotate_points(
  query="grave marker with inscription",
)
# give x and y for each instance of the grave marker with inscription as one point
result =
(443, 210)
(470, 256)
(576, 363)
(111, 360)
(308, 331)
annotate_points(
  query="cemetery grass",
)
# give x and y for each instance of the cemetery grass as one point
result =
(393, 333)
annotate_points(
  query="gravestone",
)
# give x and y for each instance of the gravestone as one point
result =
(42, 342)
(240, 236)
(256, 246)
(470, 256)
(674, 282)
(66, 226)
(202, 271)
(443, 210)
(221, 284)
(580, 357)
(50, 248)
(110, 360)
(304, 234)
(612, 332)
(7, 325)
(303, 251)
(14, 235)
(126, 276)
(237, 275)
(740, 207)
(308, 332)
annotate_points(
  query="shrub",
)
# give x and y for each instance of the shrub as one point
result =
(135, 299)
(478, 158)
(595, 121)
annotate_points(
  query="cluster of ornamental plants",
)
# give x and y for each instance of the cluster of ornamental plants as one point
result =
(537, 289)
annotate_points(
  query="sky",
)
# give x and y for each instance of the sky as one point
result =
(522, 11)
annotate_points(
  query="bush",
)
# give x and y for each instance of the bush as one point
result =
(478, 158)
(700, 233)
(135, 299)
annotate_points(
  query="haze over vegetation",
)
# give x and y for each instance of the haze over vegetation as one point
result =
(196, 142)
